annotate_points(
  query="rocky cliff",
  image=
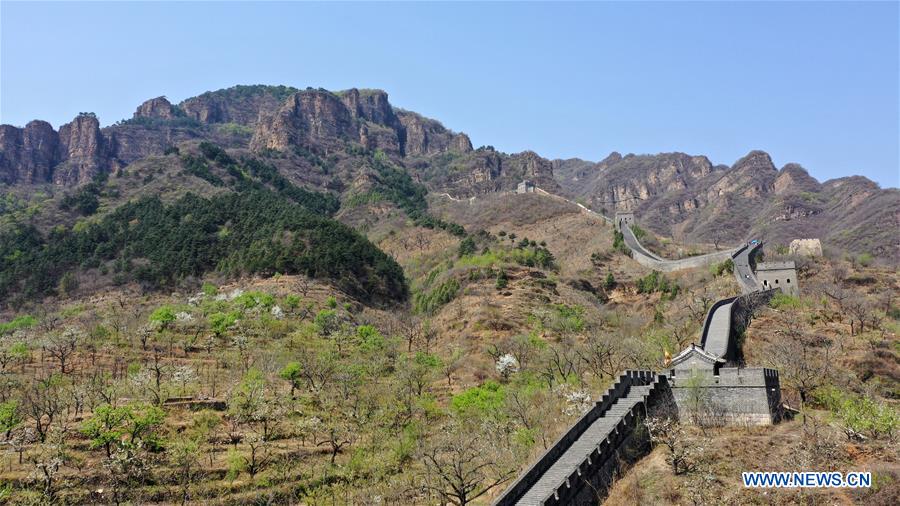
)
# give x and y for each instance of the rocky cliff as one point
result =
(258, 118)
(28, 155)
(84, 151)
(242, 105)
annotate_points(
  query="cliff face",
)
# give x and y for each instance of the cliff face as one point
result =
(280, 118)
(424, 137)
(321, 118)
(83, 151)
(240, 104)
(309, 117)
(28, 155)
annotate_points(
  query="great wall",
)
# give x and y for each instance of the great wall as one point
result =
(579, 467)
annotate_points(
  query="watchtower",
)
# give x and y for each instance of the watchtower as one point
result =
(525, 186)
(779, 275)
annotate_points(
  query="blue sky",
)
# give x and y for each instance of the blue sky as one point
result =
(812, 83)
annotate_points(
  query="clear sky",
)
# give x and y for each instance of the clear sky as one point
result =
(812, 83)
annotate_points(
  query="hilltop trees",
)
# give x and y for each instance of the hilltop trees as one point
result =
(194, 235)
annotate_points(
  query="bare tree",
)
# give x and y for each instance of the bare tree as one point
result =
(259, 455)
(43, 401)
(48, 461)
(411, 329)
(451, 364)
(601, 354)
(664, 428)
(861, 312)
(698, 302)
(561, 362)
(530, 410)
(804, 361)
(63, 345)
(303, 285)
(463, 463)
(835, 289)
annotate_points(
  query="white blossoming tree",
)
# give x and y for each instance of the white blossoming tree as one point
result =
(507, 365)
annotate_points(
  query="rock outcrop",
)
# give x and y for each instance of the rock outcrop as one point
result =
(370, 105)
(28, 155)
(310, 117)
(156, 108)
(321, 118)
(806, 247)
(83, 149)
(243, 105)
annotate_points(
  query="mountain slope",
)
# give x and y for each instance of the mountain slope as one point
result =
(689, 198)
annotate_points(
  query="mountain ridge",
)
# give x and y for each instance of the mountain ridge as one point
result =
(684, 196)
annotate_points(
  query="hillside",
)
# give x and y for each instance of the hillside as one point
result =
(268, 295)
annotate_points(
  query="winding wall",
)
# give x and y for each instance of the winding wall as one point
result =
(648, 259)
(578, 468)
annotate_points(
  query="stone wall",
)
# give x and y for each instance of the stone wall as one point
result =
(742, 311)
(648, 259)
(601, 461)
(734, 396)
(625, 445)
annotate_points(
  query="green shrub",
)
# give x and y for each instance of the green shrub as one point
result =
(724, 267)
(326, 322)
(466, 247)
(370, 339)
(163, 316)
(865, 259)
(291, 302)
(210, 289)
(567, 318)
(430, 302)
(619, 243)
(657, 282)
(783, 300)
(10, 417)
(533, 256)
(19, 322)
(250, 300)
(502, 280)
(219, 323)
(866, 416)
(610, 282)
(480, 402)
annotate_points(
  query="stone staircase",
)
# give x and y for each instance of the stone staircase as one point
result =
(585, 458)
